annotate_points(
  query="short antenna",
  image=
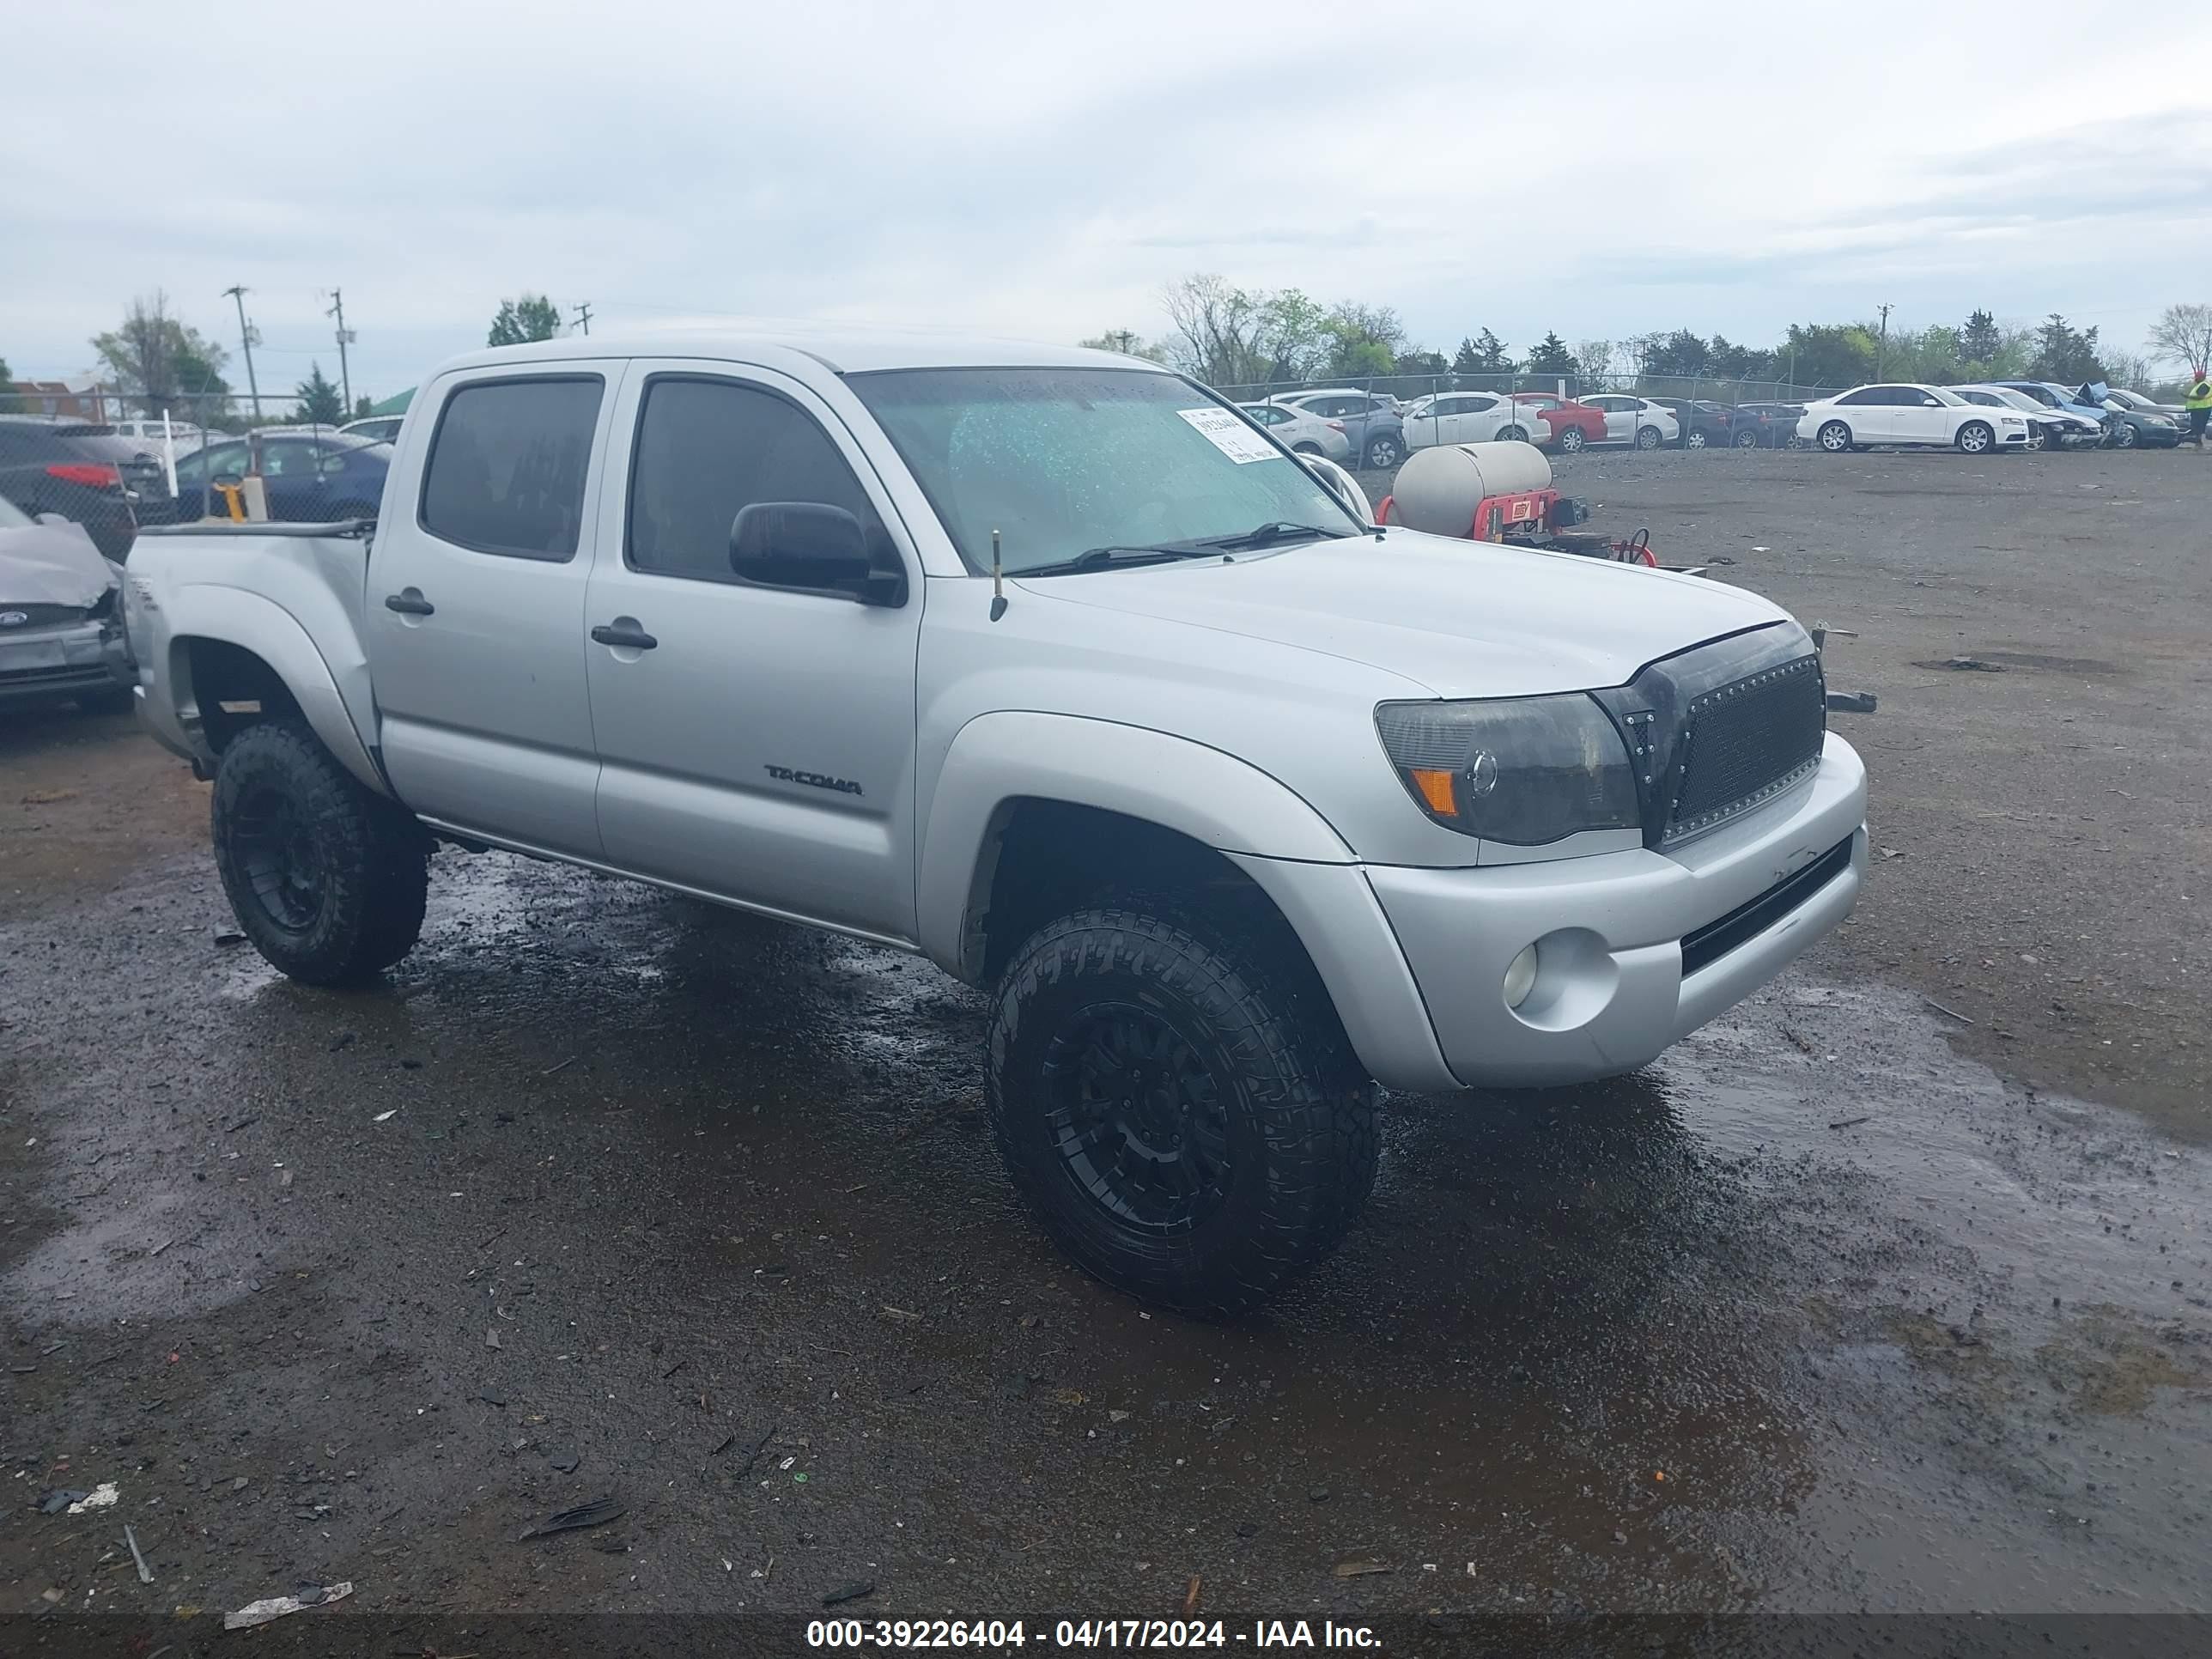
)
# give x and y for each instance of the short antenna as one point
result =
(998, 581)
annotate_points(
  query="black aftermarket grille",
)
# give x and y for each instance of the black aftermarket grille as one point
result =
(1745, 743)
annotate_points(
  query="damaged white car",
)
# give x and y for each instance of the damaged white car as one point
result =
(61, 616)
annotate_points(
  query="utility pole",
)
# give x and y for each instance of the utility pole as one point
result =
(584, 317)
(345, 339)
(246, 340)
(1881, 345)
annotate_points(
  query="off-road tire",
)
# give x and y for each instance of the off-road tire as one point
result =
(368, 860)
(1299, 1113)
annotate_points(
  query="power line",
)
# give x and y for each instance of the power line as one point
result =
(584, 317)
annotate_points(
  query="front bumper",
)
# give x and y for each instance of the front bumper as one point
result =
(81, 657)
(1611, 992)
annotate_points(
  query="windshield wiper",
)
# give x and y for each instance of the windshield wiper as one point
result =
(1276, 530)
(1102, 558)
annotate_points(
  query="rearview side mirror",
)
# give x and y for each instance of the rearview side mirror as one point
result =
(816, 549)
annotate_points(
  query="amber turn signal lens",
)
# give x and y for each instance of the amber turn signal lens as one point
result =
(1436, 788)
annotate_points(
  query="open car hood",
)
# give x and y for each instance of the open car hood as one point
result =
(52, 564)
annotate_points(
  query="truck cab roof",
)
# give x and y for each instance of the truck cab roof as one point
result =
(842, 351)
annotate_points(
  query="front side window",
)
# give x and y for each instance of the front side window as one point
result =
(507, 466)
(707, 450)
(1059, 461)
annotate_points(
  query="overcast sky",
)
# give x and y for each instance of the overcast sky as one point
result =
(1597, 168)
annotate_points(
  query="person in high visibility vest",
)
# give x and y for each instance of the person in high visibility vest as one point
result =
(2196, 399)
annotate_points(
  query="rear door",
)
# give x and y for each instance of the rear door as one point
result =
(474, 605)
(761, 748)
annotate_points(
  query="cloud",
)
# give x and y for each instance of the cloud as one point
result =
(1045, 171)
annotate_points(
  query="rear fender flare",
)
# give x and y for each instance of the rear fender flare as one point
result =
(271, 633)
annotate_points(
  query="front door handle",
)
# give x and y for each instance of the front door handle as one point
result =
(624, 631)
(409, 602)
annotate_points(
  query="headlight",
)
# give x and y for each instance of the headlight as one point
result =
(1526, 771)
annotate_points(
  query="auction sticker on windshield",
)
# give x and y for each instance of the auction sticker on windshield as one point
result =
(1230, 435)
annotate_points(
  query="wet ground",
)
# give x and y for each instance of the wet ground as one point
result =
(606, 1193)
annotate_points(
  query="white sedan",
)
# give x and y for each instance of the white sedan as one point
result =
(1633, 420)
(1297, 428)
(1470, 417)
(1910, 414)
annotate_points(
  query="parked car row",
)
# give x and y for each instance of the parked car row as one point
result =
(1994, 415)
(112, 479)
(1375, 430)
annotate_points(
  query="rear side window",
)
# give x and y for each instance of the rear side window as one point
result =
(507, 466)
(709, 449)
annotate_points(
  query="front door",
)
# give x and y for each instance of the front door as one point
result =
(756, 742)
(474, 606)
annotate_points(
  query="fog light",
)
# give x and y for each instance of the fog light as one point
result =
(1521, 977)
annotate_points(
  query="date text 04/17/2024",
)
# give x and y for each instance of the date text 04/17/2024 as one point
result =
(1087, 1634)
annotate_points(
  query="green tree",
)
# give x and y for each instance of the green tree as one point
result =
(1364, 340)
(2064, 354)
(1835, 355)
(1423, 363)
(1550, 356)
(1979, 340)
(156, 359)
(1731, 361)
(1482, 353)
(1680, 353)
(361, 406)
(319, 402)
(533, 316)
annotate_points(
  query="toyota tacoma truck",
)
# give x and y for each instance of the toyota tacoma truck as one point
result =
(1049, 666)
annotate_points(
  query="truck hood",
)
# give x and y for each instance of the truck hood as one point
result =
(1465, 619)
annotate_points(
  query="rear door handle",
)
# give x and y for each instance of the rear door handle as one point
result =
(409, 602)
(622, 631)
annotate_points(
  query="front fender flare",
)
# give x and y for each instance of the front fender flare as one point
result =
(996, 759)
(271, 633)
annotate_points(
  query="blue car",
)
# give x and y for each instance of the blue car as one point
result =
(310, 477)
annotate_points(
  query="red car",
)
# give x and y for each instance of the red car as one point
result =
(1572, 424)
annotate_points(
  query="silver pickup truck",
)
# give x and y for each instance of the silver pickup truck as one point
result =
(1049, 665)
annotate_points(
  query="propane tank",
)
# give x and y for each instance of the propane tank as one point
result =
(1438, 489)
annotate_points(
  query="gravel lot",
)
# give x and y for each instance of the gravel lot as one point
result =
(606, 1193)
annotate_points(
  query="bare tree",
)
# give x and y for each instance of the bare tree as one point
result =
(1594, 358)
(1220, 331)
(2124, 368)
(2183, 334)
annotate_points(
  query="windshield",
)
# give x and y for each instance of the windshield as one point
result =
(2018, 399)
(1059, 461)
